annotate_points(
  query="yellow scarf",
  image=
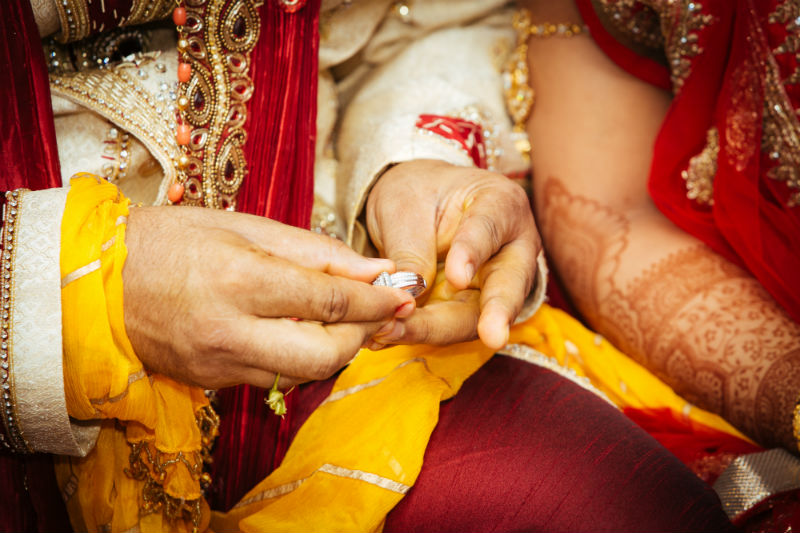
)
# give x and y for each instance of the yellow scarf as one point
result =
(350, 463)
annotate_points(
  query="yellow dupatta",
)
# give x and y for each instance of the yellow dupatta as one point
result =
(350, 463)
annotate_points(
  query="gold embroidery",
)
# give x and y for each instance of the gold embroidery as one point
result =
(115, 95)
(220, 37)
(526, 353)
(788, 13)
(681, 22)
(781, 135)
(148, 10)
(149, 465)
(115, 150)
(699, 176)
(76, 23)
(15, 439)
(634, 20)
(681, 38)
(74, 18)
(796, 423)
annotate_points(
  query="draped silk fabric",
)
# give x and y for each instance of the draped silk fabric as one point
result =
(738, 75)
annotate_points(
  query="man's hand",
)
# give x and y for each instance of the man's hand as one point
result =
(212, 298)
(482, 222)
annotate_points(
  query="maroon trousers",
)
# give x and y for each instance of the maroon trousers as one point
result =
(523, 449)
(518, 449)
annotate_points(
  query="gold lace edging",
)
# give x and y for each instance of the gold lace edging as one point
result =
(151, 466)
(118, 97)
(219, 39)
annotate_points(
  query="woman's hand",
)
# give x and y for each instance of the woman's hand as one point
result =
(212, 298)
(481, 222)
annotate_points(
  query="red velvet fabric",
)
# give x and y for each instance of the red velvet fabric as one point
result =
(29, 500)
(281, 129)
(751, 222)
(28, 151)
(282, 116)
(523, 449)
(106, 15)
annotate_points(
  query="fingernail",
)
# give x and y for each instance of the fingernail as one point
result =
(397, 331)
(386, 328)
(405, 310)
(375, 346)
(470, 271)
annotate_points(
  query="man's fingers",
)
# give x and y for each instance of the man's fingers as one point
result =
(303, 350)
(283, 289)
(315, 251)
(416, 255)
(506, 281)
(404, 230)
(491, 220)
(437, 323)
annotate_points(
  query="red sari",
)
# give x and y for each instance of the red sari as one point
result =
(726, 162)
(726, 165)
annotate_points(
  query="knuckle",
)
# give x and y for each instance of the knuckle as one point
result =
(423, 332)
(335, 305)
(490, 229)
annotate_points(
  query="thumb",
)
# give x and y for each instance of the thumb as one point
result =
(412, 250)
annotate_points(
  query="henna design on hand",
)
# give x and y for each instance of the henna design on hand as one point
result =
(699, 322)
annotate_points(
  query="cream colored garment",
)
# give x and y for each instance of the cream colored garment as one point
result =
(36, 329)
(381, 34)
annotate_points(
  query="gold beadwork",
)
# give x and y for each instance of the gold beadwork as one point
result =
(121, 99)
(76, 23)
(148, 10)
(516, 76)
(699, 176)
(636, 20)
(781, 127)
(74, 18)
(682, 41)
(788, 14)
(781, 133)
(10, 418)
(115, 150)
(796, 423)
(219, 39)
(673, 26)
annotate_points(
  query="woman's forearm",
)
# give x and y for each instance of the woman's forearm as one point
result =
(701, 323)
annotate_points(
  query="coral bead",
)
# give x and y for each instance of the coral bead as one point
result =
(179, 16)
(184, 134)
(184, 72)
(175, 192)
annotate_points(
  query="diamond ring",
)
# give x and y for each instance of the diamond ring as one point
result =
(410, 282)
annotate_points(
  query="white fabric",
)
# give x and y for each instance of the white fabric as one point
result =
(36, 330)
(446, 73)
